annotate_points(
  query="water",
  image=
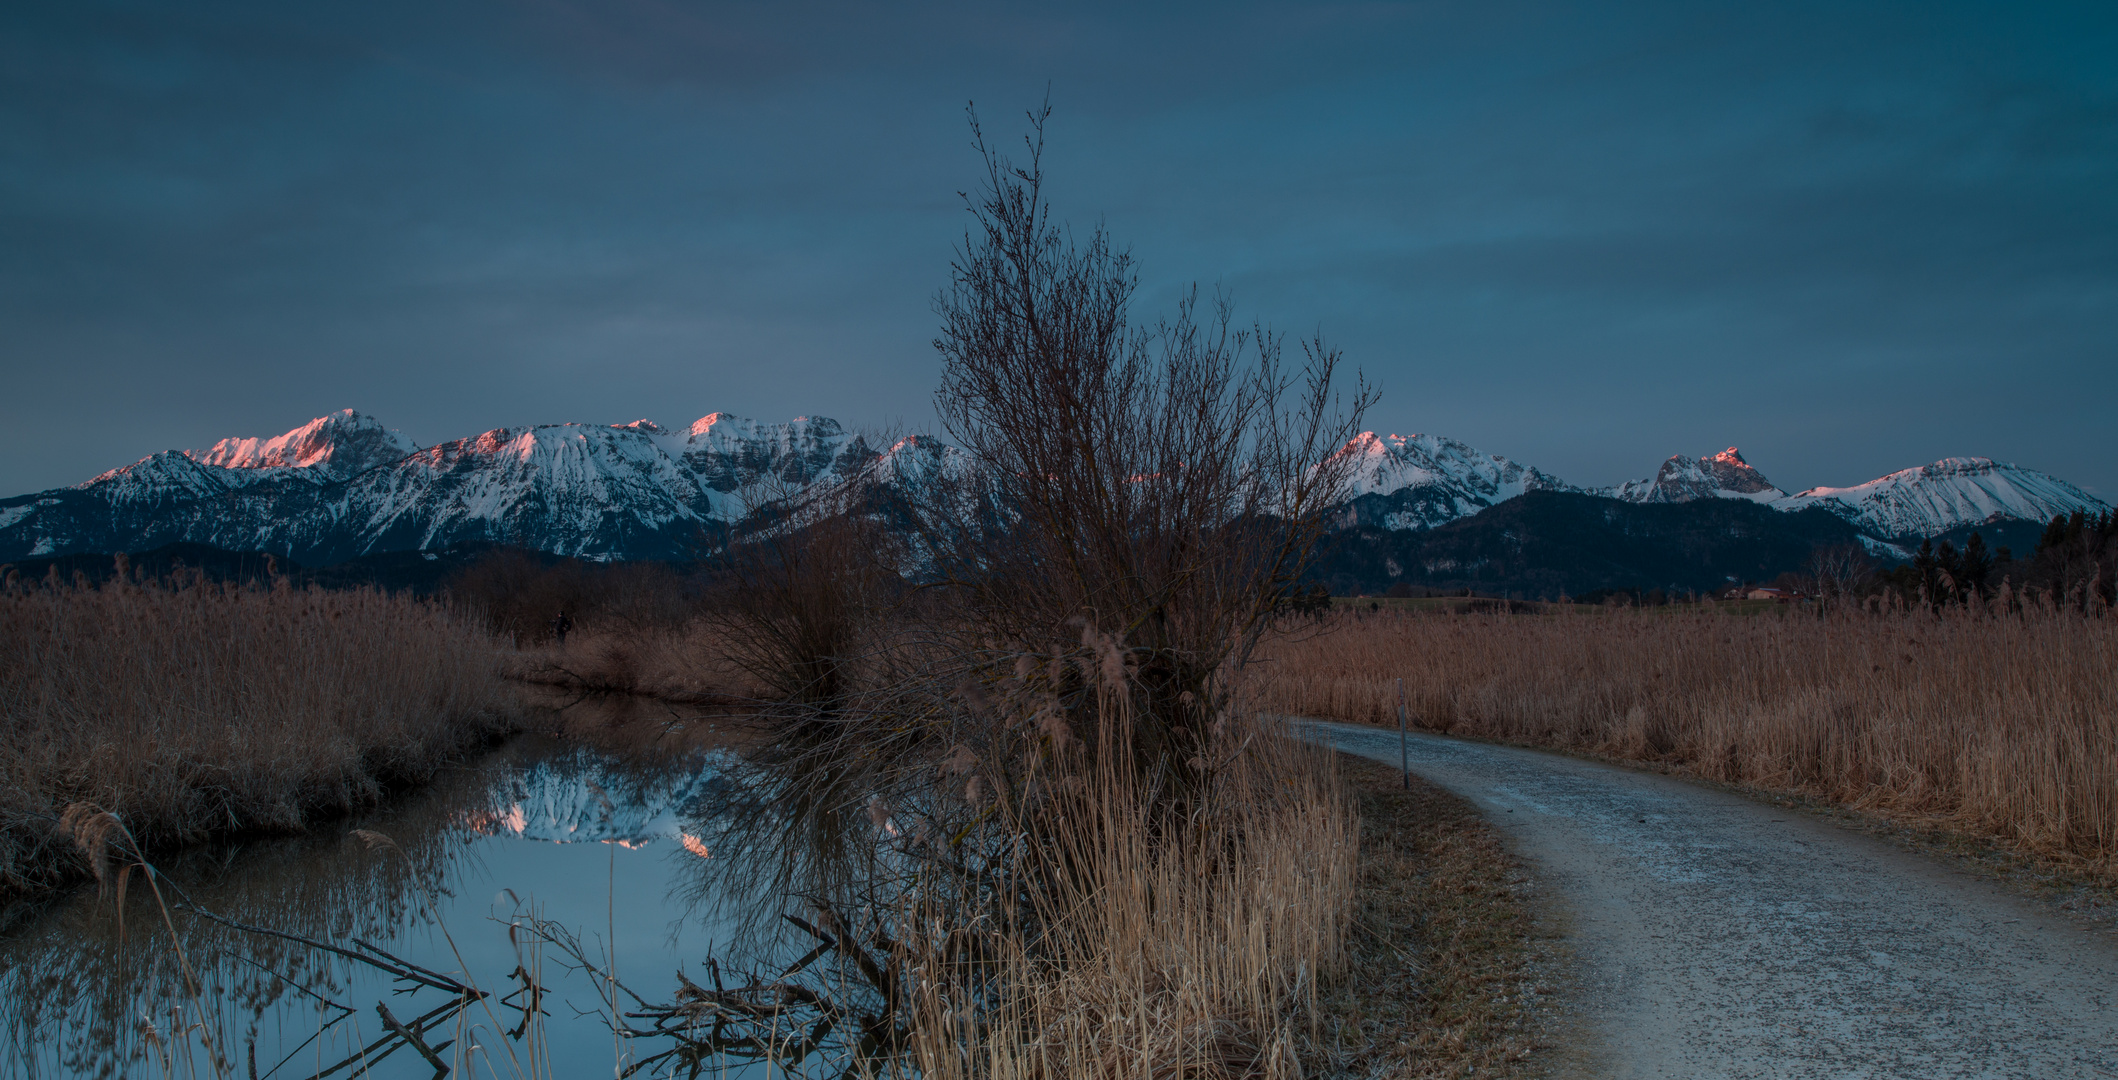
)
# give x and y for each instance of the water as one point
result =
(652, 862)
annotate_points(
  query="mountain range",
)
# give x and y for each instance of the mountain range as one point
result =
(343, 486)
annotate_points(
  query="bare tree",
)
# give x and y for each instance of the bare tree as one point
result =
(803, 588)
(1149, 494)
(1839, 571)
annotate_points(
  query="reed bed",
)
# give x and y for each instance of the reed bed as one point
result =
(1998, 723)
(686, 663)
(195, 709)
(1159, 946)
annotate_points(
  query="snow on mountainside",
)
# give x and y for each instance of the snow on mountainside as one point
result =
(1911, 504)
(343, 486)
(334, 447)
(1914, 503)
(1681, 479)
(1422, 481)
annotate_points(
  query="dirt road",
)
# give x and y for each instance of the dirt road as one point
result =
(1721, 937)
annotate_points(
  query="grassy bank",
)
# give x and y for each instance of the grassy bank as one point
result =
(2000, 725)
(1451, 970)
(196, 710)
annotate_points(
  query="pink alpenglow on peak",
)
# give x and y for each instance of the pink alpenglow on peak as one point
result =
(1421, 481)
(1681, 479)
(337, 446)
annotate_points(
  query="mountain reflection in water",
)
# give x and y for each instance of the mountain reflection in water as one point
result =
(655, 861)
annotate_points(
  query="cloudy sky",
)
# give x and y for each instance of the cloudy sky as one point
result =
(1847, 237)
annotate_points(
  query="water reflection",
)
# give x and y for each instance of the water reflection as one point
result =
(662, 870)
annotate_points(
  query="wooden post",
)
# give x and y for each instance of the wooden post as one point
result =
(1404, 748)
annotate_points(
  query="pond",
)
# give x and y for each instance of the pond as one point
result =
(491, 916)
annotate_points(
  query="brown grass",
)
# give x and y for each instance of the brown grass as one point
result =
(207, 710)
(1194, 947)
(684, 663)
(2004, 726)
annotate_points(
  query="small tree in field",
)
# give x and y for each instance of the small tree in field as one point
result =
(1155, 491)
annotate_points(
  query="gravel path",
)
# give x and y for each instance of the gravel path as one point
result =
(1720, 937)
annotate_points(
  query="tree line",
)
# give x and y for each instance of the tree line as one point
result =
(2075, 566)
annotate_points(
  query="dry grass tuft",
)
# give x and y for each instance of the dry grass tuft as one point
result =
(2000, 725)
(199, 710)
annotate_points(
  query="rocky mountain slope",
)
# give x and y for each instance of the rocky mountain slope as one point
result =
(1681, 479)
(343, 486)
(1422, 481)
(1908, 505)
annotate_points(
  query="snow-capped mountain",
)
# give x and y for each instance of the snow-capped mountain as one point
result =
(343, 486)
(1915, 503)
(332, 447)
(1420, 481)
(1681, 479)
(1910, 504)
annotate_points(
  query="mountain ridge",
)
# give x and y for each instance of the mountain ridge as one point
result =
(1908, 505)
(343, 486)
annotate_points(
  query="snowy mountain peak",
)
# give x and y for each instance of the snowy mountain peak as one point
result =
(1950, 493)
(1420, 481)
(730, 453)
(337, 446)
(1682, 478)
(343, 486)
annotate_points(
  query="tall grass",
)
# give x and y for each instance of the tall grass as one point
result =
(199, 709)
(2001, 724)
(1153, 945)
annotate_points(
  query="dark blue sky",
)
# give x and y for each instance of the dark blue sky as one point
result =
(1847, 237)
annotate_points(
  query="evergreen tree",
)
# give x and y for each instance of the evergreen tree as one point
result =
(1976, 567)
(1950, 573)
(2055, 535)
(1925, 567)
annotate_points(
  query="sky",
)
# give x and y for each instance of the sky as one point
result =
(1848, 238)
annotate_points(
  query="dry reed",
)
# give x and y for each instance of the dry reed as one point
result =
(1154, 946)
(686, 663)
(2001, 725)
(199, 709)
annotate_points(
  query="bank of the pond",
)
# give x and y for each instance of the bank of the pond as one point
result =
(623, 851)
(200, 711)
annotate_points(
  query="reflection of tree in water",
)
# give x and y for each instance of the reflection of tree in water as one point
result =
(80, 984)
(783, 832)
(788, 835)
(805, 868)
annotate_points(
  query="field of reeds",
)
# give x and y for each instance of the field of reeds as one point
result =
(1998, 723)
(1195, 944)
(194, 710)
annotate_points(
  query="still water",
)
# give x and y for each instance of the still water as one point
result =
(660, 866)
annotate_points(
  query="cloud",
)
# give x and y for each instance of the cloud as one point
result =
(1854, 239)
